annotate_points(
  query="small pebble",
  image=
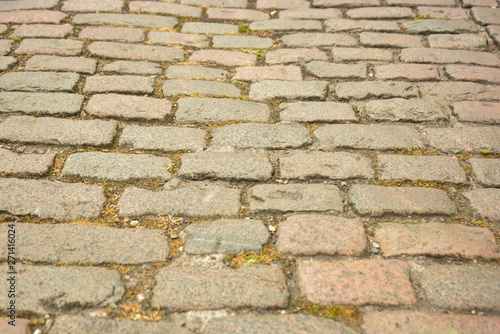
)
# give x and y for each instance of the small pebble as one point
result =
(174, 236)
(134, 223)
(375, 250)
(272, 228)
(141, 297)
(37, 331)
(376, 245)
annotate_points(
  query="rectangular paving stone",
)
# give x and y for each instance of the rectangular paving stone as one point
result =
(222, 57)
(494, 32)
(378, 201)
(6, 62)
(460, 41)
(443, 13)
(347, 3)
(317, 112)
(202, 87)
(217, 110)
(465, 139)
(425, 168)
(303, 55)
(486, 171)
(63, 64)
(473, 73)
(294, 197)
(321, 235)
(31, 164)
(5, 46)
(439, 26)
(276, 72)
(380, 13)
(285, 25)
(421, 2)
(216, 3)
(132, 67)
(462, 288)
(128, 107)
(437, 239)
(485, 16)
(358, 282)
(372, 137)
(176, 38)
(76, 244)
(253, 166)
(117, 166)
(43, 30)
(335, 166)
(134, 20)
(135, 51)
(335, 25)
(32, 16)
(459, 91)
(273, 136)
(270, 89)
(415, 110)
(39, 81)
(209, 28)
(56, 131)
(199, 288)
(27, 4)
(162, 138)
(133, 84)
(120, 34)
(203, 201)
(413, 72)
(485, 202)
(318, 39)
(62, 47)
(92, 5)
(195, 72)
(376, 39)
(164, 8)
(51, 199)
(440, 56)
(237, 14)
(357, 54)
(479, 3)
(323, 69)
(43, 103)
(54, 289)
(282, 4)
(241, 42)
(310, 13)
(375, 89)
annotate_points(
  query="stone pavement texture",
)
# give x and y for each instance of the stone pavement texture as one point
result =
(250, 166)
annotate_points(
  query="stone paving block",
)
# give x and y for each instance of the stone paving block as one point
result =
(310, 13)
(216, 3)
(321, 235)
(253, 166)
(399, 322)
(485, 202)
(63, 64)
(317, 112)
(372, 137)
(422, 2)
(237, 14)
(206, 110)
(378, 201)
(227, 236)
(27, 4)
(43, 103)
(375, 89)
(202, 87)
(285, 25)
(318, 39)
(462, 288)
(380, 13)
(437, 239)
(43, 30)
(61, 47)
(123, 34)
(323, 69)
(464, 139)
(361, 54)
(494, 32)
(486, 171)
(3, 28)
(425, 168)
(443, 13)
(376, 39)
(128, 107)
(285, 56)
(134, 20)
(133, 84)
(294, 197)
(346, 3)
(32, 164)
(51, 200)
(479, 3)
(461, 41)
(290, 324)
(440, 56)
(276, 72)
(459, 91)
(82, 324)
(195, 72)
(269, 89)
(92, 5)
(415, 110)
(277, 136)
(209, 28)
(241, 42)
(359, 282)
(49, 130)
(162, 138)
(32, 16)
(135, 51)
(199, 288)
(335, 25)
(21, 326)
(222, 57)
(132, 67)
(282, 4)
(5, 46)
(176, 38)
(7, 62)
(473, 73)
(38, 81)
(164, 8)
(485, 16)
(411, 72)
(335, 166)
(117, 166)
(76, 244)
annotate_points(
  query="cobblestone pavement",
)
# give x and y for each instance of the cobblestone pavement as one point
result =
(250, 166)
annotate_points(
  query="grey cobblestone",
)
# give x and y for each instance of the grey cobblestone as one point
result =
(43, 103)
(465, 139)
(416, 110)
(164, 8)
(64, 64)
(127, 106)
(483, 202)
(286, 25)
(38, 81)
(134, 20)
(285, 56)
(237, 14)
(163, 138)
(209, 28)
(277, 72)
(245, 42)
(132, 67)
(195, 72)
(486, 171)
(461, 41)
(31, 164)
(375, 89)
(135, 51)
(317, 112)
(176, 38)
(202, 87)
(336, 25)
(119, 84)
(7, 62)
(120, 34)
(222, 57)
(318, 39)
(330, 70)
(28, 4)
(62, 47)
(439, 26)
(269, 89)
(311, 13)
(43, 30)
(425, 55)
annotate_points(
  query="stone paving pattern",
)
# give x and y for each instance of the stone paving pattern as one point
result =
(144, 143)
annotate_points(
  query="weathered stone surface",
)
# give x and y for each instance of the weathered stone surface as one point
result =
(357, 54)
(485, 16)
(494, 32)
(38, 81)
(425, 168)
(163, 138)
(430, 55)
(347, 3)
(317, 112)
(120, 34)
(21, 326)
(32, 164)
(464, 139)
(479, 3)
(282, 4)
(27, 4)
(421, 2)
(32, 16)
(380, 13)
(227, 236)
(237, 14)
(205, 110)
(127, 106)
(416, 110)
(461, 41)
(76, 244)
(378, 201)
(134, 20)
(253, 166)
(286, 24)
(195, 72)
(210, 88)
(119, 84)
(462, 288)
(51, 200)
(437, 239)
(473, 73)
(222, 57)
(276, 72)
(63, 64)
(5, 46)
(62, 47)
(284, 56)
(475, 111)
(323, 69)
(48, 130)
(46, 289)
(164, 8)
(3, 28)
(321, 234)
(389, 40)
(485, 202)
(242, 42)
(92, 5)
(310, 13)
(336, 166)
(43, 103)
(459, 91)
(135, 51)
(443, 13)
(360, 282)
(334, 25)
(43, 30)
(209, 201)
(375, 89)
(269, 89)
(295, 197)
(177, 38)
(132, 67)
(439, 26)
(276, 136)
(117, 166)
(199, 288)
(216, 3)
(373, 137)
(486, 171)
(318, 39)
(6, 62)
(407, 72)
(209, 28)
